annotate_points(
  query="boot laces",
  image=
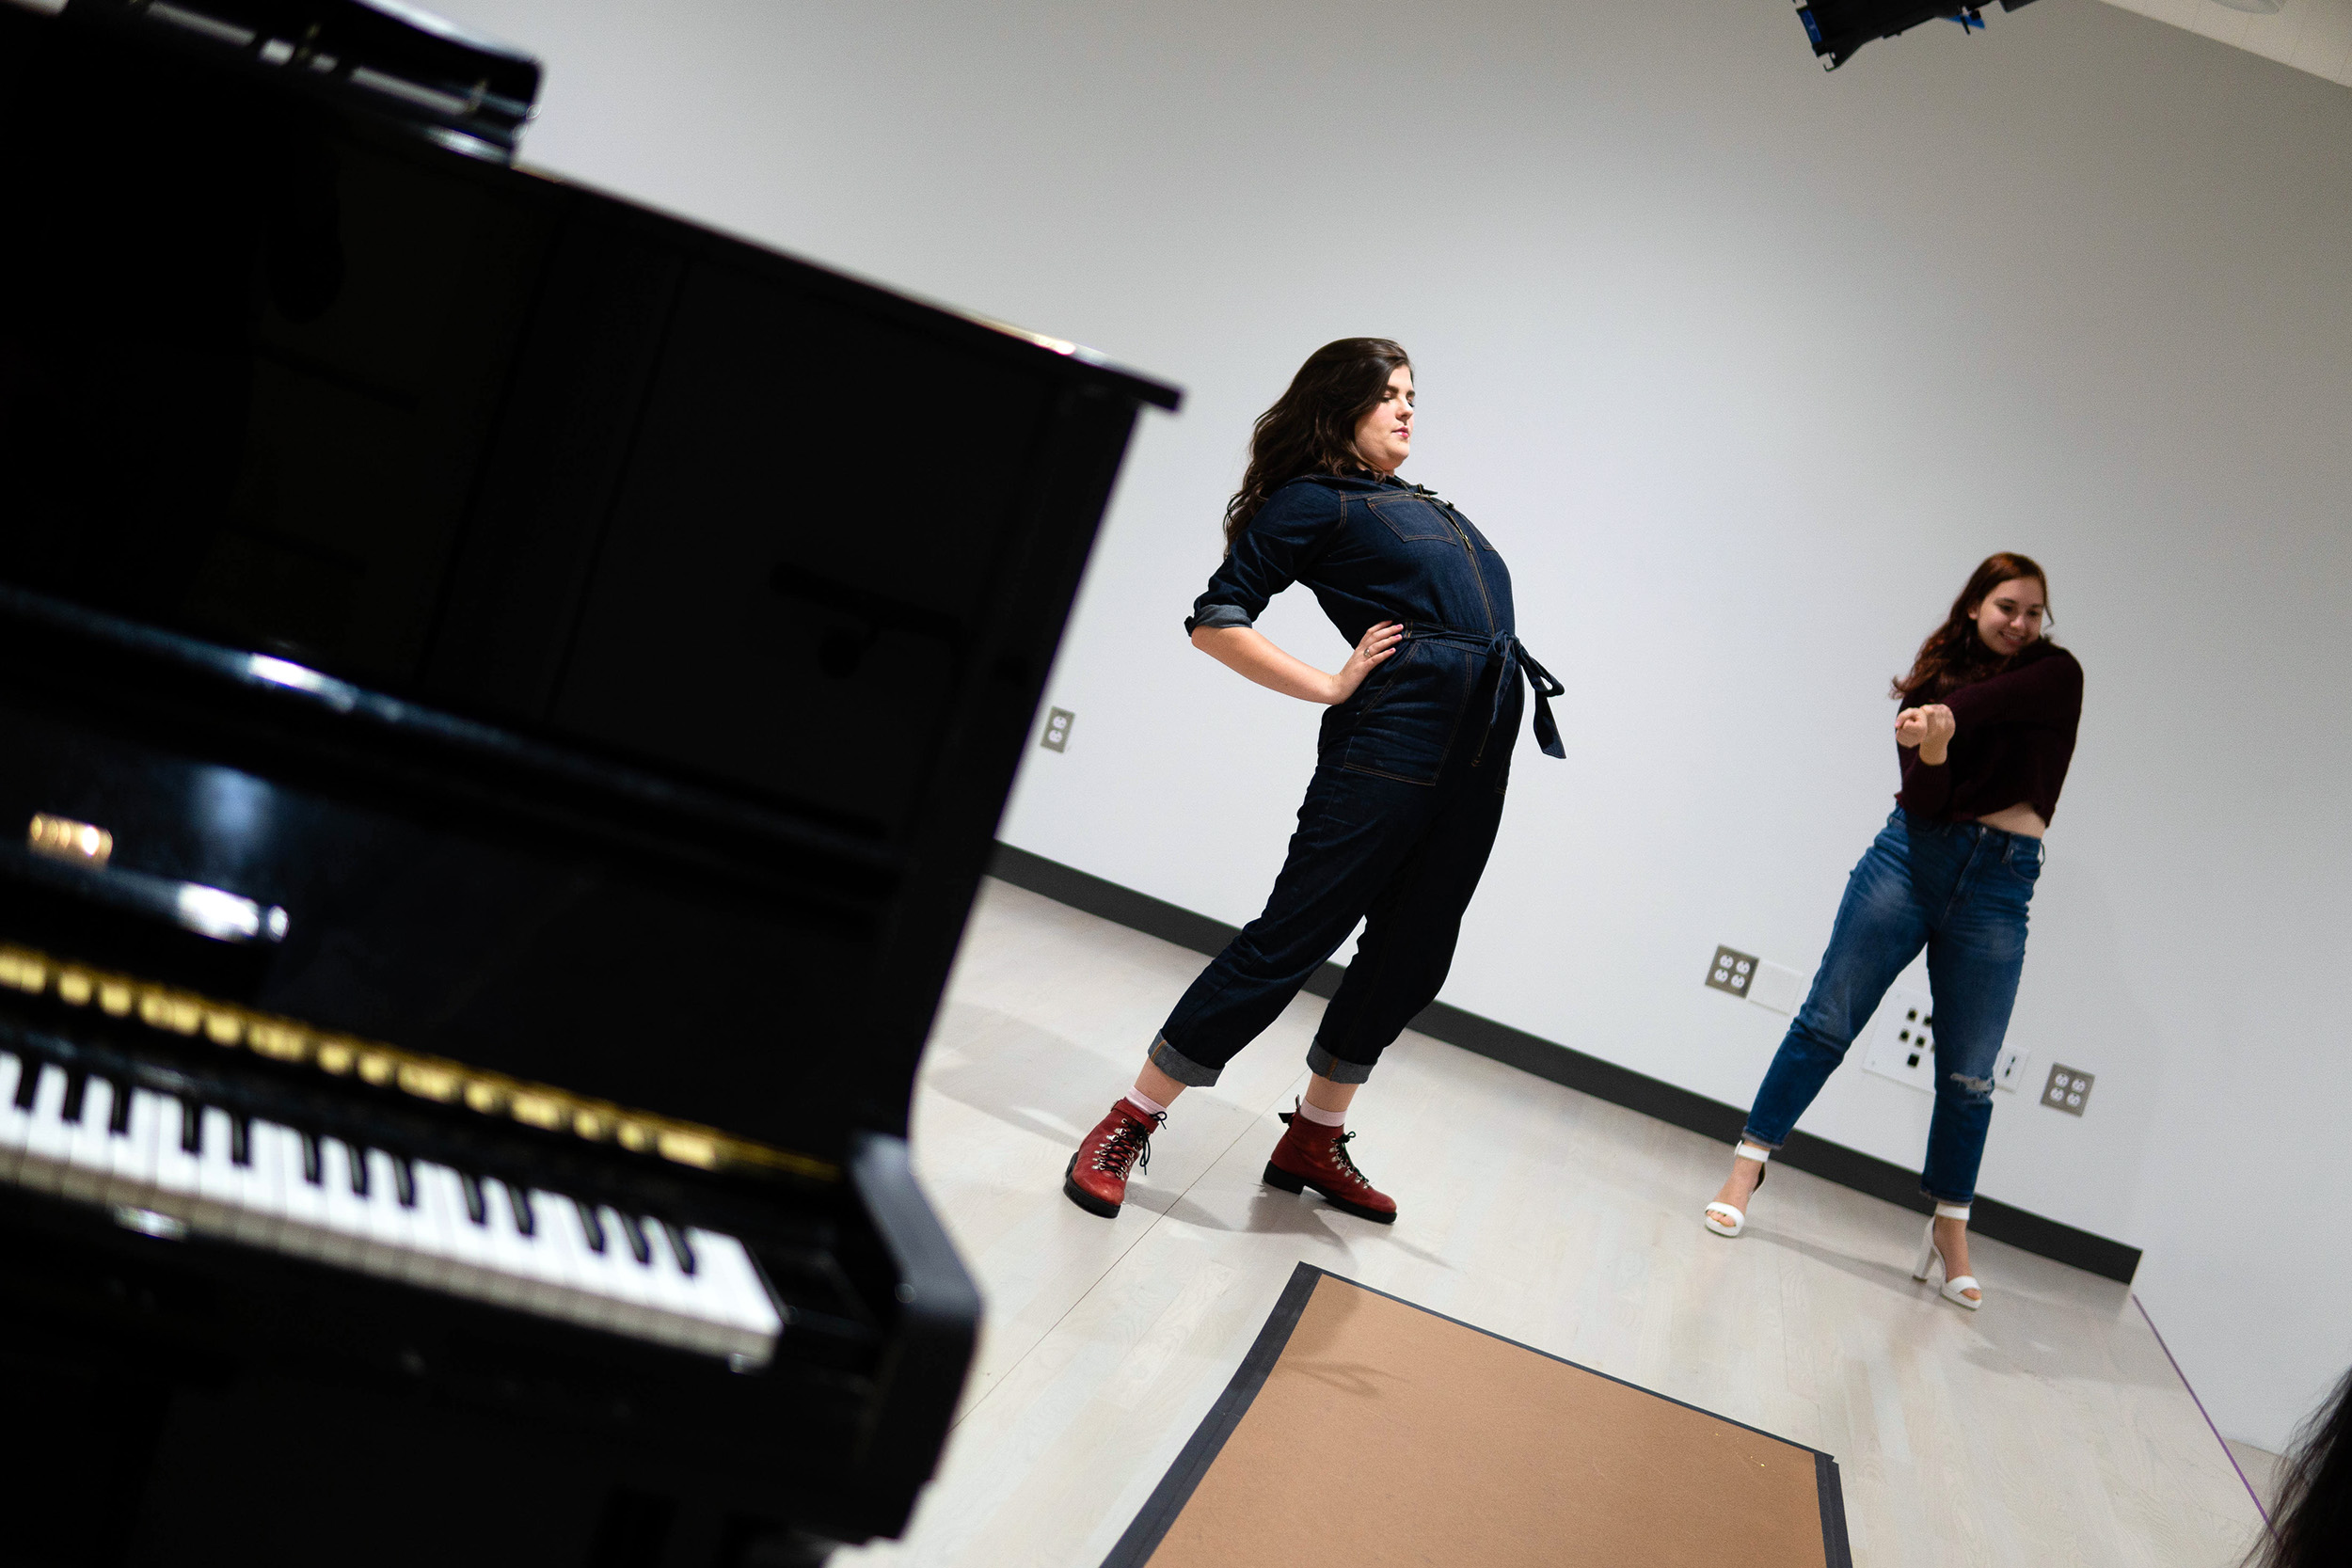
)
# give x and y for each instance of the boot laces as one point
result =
(1129, 1144)
(1345, 1162)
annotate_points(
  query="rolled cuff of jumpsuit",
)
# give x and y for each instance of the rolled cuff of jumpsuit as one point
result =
(1323, 1065)
(1215, 615)
(1181, 1067)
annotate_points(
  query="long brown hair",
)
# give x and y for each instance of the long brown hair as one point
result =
(1311, 427)
(1954, 654)
(2312, 1522)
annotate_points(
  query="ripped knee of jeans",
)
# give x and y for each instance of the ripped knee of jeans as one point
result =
(1974, 1090)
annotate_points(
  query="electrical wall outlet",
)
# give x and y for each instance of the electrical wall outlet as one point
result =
(1057, 735)
(1903, 1041)
(1731, 972)
(2068, 1089)
(2010, 1070)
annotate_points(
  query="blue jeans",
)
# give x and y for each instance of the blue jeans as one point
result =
(1959, 890)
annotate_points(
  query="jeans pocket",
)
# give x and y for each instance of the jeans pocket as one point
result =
(1411, 519)
(1405, 728)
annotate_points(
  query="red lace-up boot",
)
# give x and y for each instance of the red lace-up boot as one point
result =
(1313, 1155)
(1096, 1180)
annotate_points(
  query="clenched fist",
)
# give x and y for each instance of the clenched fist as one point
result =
(1929, 728)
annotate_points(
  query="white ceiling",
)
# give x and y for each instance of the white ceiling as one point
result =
(2310, 35)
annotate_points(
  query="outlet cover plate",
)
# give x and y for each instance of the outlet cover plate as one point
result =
(1731, 971)
(1903, 1041)
(1057, 735)
(2067, 1089)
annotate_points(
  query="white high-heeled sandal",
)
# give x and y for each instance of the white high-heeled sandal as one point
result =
(1929, 1253)
(1736, 1221)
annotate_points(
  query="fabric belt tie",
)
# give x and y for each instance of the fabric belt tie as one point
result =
(1516, 661)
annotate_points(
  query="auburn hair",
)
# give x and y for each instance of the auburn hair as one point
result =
(1954, 655)
(1311, 427)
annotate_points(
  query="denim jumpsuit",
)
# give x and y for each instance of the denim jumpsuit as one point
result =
(1409, 776)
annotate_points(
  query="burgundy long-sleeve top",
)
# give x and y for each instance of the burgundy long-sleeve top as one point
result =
(2012, 737)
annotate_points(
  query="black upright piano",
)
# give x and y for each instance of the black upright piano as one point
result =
(505, 697)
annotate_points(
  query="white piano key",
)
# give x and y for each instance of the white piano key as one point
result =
(249, 1193)
(475, 1246)
(392, 1227)
(678, 1298)
(135, 1164)
(177, 1179)
(277, 1160)
(604, 1301)
(342, 1212)
(303, 1230)
(440, 1215)
(14, 1124)
(220, 1183)
(628, 1281)
(45, 1136)
(87, 1154)
(519, 1267)
(753, 1311)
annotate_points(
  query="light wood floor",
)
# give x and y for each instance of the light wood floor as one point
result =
(2046, 1429)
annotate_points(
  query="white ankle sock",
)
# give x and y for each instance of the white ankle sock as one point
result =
(1322, 1118)
(1149, 1107)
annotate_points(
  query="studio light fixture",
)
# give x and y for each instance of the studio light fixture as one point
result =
(1839, 27)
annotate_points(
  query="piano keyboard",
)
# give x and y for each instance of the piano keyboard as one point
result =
(171, 1167)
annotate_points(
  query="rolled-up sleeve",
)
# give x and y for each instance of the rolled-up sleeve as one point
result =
(1267, 556)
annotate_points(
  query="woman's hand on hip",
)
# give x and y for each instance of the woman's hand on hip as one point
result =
(1928, 728)
(1245, 651)
(1377, 644)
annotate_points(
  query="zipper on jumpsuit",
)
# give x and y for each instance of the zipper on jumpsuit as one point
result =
(1484, 599)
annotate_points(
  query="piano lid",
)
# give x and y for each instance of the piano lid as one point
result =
(629, 630)
(467, 91)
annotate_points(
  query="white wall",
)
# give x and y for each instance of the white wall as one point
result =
(1743, 367)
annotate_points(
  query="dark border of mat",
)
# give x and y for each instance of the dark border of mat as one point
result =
(1560, 1064)
(1153, 1521)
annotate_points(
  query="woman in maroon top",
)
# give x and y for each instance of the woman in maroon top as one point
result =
(1986, 731)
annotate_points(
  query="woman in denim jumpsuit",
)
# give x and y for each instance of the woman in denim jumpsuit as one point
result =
(1411, 770)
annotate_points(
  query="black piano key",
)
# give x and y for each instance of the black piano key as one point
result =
(29, 1084)
(76, 1093)
(591, 1224)
(119, 1120)
(404, 1181)
(191, 1127)
(526, 1218)
(477, 1205)
(680, 1247)
(357, 1158)
(240, 1140)
(313, 1160)
(633, 1232)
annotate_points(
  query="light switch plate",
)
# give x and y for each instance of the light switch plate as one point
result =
(1776, 988)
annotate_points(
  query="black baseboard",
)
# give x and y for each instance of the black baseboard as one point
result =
(1560, 1064)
